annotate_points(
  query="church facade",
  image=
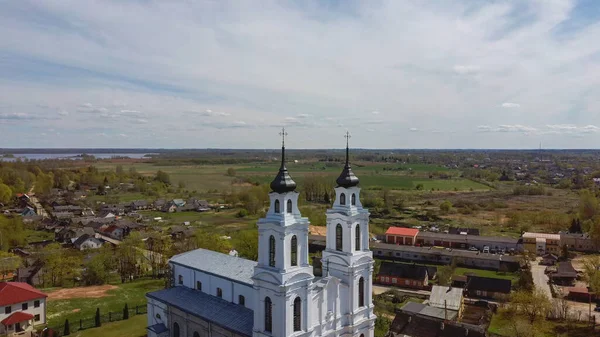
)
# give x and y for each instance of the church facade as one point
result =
(216, 295)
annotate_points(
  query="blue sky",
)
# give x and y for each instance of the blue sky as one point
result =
(396, 74)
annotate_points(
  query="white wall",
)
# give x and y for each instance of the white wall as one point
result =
(231, 290)
(156, 308)
(41, 310)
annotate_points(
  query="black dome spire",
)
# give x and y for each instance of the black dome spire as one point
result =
(283, 182)
(347, 178)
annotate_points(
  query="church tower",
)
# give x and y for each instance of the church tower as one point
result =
(347, 255)
(283, 275)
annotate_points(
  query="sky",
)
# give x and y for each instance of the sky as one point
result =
(231, 74)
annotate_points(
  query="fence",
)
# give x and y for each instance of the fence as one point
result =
(89, 323)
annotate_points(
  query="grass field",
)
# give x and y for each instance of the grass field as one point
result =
(82, 308)
(501, 326)
(513, 277)
(133, 327)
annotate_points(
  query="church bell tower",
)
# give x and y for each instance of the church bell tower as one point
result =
(347, 255)
(283, 274)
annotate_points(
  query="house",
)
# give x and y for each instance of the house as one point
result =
(420, 309)
(28, 211)
(63, 215)
(447, 298)
(580, 242)
(407, 324)
(565, 274)
(541, 243)
(138, 205)
(79, 195)
(549, 259)
(464, 241)
(158, 204)
(463, 231)
(581, 294)
(87, 241)
(401, 236)
(459, 281)
(113, 231)
(403, 275)
(178, 202)
(21, 307)
(67, 208)
(487, 287)
(33, 275)
(198, 205)
(169, 207)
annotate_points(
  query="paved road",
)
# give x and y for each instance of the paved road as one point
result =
(539, 278)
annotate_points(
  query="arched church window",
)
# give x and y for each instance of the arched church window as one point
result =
(175, 330)
(294, 251)
(357, 238)
(272, 251)
(288, 208)
(353, 200)
(361, 292)
(297, 314)
(268, 315)
(338, 237)
(277, 207)
(342, 199)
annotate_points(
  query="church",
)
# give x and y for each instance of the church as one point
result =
(218, 295)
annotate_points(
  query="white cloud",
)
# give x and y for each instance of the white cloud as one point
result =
(375, 112)
(142, 121)
(509, 105)
(304, 115)
(466, 69)
(413, 129)
(63, 113)
(123, 135)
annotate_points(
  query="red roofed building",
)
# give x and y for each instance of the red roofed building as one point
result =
(21, 307)
(401, 236)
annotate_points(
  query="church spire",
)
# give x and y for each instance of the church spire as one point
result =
(347, 177)
(283, 182)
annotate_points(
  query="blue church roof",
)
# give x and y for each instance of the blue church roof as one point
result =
(230, 316)
(219, 264)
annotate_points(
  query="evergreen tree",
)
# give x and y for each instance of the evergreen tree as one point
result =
(97, 318)
(126, 312)
(67, 329)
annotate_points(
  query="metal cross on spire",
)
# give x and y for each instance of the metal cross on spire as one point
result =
(283, 134)
(347, 136)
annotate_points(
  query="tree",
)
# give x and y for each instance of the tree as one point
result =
(246, 243)
(67, 330)
(212, 241)
(128, 255)
(533, 304)
(97, 321)
(231, 172)
(126, 312)
(98, 268)
(575, 226)
(525, 282)
(163, 177)
(5, 193)
(9, 263)
(591, 266)
(446, 206)
(588, 205)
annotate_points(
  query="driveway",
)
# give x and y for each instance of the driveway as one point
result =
(539, 278)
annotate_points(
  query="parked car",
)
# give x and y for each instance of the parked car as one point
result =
(597, 308)
(474, 249)
(486, 249)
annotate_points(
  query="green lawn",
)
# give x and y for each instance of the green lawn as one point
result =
(36, 236)
(82, 308)
(133, 327)
(513, 277)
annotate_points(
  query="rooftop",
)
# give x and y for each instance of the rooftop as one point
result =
(446, 297)
(18, 292)
(402, 231)
(404, 270)
(531, 235)
(219, 264)
(230, 316)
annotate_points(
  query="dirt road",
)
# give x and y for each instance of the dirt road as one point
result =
(540, 279)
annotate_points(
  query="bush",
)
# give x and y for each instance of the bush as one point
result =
(242, 213)
(446, 206)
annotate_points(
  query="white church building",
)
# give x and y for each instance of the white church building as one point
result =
(216, 294)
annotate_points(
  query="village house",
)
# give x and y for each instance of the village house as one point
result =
(580, 242)
(541, 243)
(565, 274)
(401, 236)
(462, 241)
(21, 307)
(403, 275)
(549, 259)
(138, 205)
(447, 298)
(488, 287)
(407, 324)
(87, 241)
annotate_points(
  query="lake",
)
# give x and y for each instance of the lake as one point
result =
(42, 156)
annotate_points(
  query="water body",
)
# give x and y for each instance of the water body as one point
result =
(72, 156)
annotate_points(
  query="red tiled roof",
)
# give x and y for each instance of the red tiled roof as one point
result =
(402, 231)
(18, 292)
(16, 317)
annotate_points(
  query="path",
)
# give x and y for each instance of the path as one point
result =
(38, 207)
(540, 279)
